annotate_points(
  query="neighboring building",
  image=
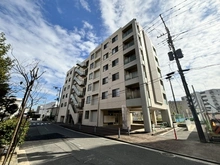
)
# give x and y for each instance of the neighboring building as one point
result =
(47, 110)
(208, 101)
(120, 78)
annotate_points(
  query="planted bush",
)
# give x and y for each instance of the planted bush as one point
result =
(7, 128)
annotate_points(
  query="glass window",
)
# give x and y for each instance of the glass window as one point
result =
(115, 62)
(105, 56)
(91, 65)
(105, 68)
(115, 50)
(92, 56)
(115, 92)
(88, 100)
(90, 76)
(89, 87)
(106, 45)
(115, 39)
(87, 115)
(115, 76)
(105, 95)
(105, 80)
(65, 104)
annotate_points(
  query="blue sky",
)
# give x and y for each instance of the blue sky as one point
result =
(60, 33)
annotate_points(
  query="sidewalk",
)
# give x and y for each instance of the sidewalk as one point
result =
(190, 147)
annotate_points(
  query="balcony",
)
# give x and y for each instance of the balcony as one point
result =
(77, 91)
(129, 58)
(80, 72)
(131, 75)
(82, 64)
(128, 44)
(72, 108)
(79, 82)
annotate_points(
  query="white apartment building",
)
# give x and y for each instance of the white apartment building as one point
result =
(208, 101)
(120, 77)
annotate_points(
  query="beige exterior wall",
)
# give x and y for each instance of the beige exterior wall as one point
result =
(134, 74)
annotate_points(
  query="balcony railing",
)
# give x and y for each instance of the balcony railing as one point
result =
(131, 75)
(127, 33)
(80, 72)
(131, 43)
(77, 91)
(79, 82)
(129, 59)
(133, 94)
(82, 64)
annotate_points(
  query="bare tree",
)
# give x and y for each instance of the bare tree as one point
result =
(29, 78)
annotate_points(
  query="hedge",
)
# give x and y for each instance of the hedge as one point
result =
(7, 128)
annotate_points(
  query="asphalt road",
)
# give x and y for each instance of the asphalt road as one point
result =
(49, 144)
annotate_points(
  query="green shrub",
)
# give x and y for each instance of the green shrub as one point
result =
(7, 128)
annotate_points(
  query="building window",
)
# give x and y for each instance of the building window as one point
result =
(91, 65)
(66, 81)
(115, 50)
(90, 76)
(65, 104)
(92, 56)
(105, 80)
(63, 96)
(114, 39)
(105, 95)
(65, 89)
(115, 62)
(105, 68)
(70, 72)
(89, 87)
(69, 79)
(88, 99)
(115, 76)
(115, 92)
(87, 115)
(68, 87)
(61, 105)
(66, 95)
(105, 56)
(106, 45)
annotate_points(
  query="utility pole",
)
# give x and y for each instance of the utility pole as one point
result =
(188, 95)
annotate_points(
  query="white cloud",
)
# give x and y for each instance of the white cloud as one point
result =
(85, 5)
(32, 37)
(200, 45)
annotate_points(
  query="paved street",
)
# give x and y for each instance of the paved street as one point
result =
(54, 145)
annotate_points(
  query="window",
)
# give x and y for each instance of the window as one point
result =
(115, 62)
(105, 68)
(61, 105)
(63, 96)
(89, 87)
(70, 72)
(92, 56)
(106, 45)
(105, 56)
(105, 95)
(115, 76)
(69, 79)
(105, 80)
(91, 65)
(115, 50)
(114, 39)
(87, 115)
(68, 87)
(65, 104)
(90, 76)
(115, 92)
(66, 81)
(64, 88)
(88, 99)
(66, 95)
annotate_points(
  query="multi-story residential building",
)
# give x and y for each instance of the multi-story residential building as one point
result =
(208, 101)
(121, 77)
